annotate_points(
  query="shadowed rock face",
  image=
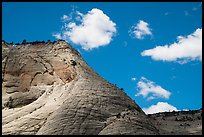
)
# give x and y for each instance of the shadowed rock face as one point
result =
(49, 89)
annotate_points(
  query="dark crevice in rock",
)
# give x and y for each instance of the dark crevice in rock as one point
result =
(34, 77)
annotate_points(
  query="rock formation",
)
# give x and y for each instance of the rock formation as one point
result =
(178, 123)
(47, 88)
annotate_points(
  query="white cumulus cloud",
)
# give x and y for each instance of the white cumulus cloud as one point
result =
(186, 49)
(133, 79)
(140, 30)
(160, 107)
(90, 30)
(147, 87)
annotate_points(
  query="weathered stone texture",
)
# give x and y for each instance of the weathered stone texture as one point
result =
(49, 89)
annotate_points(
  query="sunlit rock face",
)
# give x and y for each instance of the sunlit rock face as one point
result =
(47, 88)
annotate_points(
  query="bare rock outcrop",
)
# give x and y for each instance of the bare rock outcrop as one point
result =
(47, 88)
(179, 122)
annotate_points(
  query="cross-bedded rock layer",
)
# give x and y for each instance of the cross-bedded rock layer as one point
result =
(49, 89)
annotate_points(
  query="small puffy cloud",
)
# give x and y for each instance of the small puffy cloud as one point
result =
(140, 30)
(90, 30)
(65, 18)
(150, 98)
(147, 87)
(160, 107)
(133, 79)
(186, 49)
(57, 35)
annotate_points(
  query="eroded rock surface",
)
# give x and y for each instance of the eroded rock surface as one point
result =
(49, 89)
(178, 123)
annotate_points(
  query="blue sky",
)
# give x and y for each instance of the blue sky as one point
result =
(126, 53)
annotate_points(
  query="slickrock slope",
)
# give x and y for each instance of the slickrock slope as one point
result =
(47, 88)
